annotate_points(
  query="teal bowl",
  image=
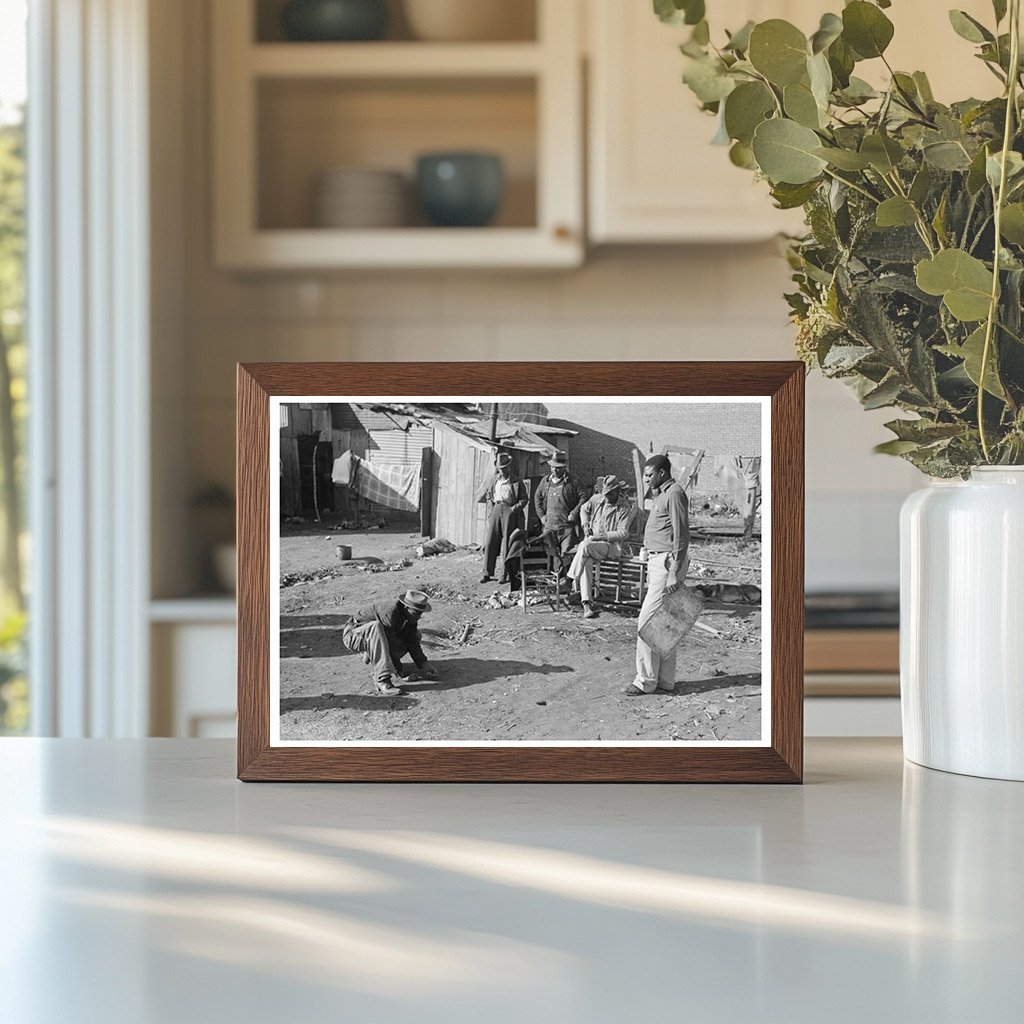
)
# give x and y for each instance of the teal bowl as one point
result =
(460, 190)
(334, 21)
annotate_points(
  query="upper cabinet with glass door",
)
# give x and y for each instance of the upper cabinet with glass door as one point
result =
(370, 133)
(654, 175)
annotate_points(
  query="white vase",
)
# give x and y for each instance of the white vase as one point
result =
(962, 624)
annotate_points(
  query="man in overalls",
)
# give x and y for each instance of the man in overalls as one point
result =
(558, 502)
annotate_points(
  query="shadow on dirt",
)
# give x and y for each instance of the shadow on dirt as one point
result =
(690, 686)
(312, 636)
(457, 673)
(346, 702)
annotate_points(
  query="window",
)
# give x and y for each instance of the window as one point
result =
(14, 704)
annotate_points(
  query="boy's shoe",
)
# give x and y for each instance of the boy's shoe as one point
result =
(388, 690)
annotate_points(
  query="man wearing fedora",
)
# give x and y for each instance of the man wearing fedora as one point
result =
(383, 633)
(610, 522)
(558, 502)
(505, 498)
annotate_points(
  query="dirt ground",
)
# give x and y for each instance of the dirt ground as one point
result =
(546, 675)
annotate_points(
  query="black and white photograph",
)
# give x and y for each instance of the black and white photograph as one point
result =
(518, 570)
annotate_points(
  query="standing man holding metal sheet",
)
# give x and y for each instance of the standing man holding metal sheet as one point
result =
(667, 540)
(505, 498)
(558, 502)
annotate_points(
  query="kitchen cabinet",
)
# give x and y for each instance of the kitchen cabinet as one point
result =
(287, 113)
(653, 175)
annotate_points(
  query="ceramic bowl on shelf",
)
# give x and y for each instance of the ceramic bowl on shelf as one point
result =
(460, 189)
(334, 21)
(470, 20)
(361, 198)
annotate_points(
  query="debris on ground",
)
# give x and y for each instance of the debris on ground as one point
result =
(291, 579)
(435, 546)
(730, 593)
(402, 563)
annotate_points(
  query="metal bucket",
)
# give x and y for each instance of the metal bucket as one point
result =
(344, 552)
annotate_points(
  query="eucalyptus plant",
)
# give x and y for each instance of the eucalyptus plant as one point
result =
(909, 280)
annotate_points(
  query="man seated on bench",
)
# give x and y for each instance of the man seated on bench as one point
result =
(611, 524)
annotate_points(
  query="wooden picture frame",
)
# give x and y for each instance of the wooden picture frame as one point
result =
(778, 757)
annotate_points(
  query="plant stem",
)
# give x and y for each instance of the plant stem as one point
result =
(993, 309)
(922, 225)
(855, 187)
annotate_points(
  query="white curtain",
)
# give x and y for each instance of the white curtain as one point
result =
(88, 319)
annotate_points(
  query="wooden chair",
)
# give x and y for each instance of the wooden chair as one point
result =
(621, 581)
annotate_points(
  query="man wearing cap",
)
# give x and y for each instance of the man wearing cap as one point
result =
(667, 540)
(609, 523)
(385, 631)
(505, 498)
(558, 502)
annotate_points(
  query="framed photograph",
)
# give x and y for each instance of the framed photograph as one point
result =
(520, 572)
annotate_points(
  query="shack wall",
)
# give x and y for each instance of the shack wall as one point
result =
(460, 466)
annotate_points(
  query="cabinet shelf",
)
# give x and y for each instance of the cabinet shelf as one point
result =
(392, 60)
(286, 114)
(309, 248)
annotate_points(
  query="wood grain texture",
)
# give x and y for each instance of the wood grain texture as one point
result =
(781, 762)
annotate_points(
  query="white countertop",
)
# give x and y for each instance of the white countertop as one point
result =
(142, 884)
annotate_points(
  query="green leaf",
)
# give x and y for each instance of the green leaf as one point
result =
(939, 220)
(742, 155)
(896, 212)
(739, 41)
(999, 6)
(883, 153)
(895, 447)
(858, 91)
(976, 174)
(921, 185)
(866, 29)
(785, 152)
(800, 105)
(789, 197)
(1014, 169)
(778, 50)
(923, 431)
(676, 12)
(885, 394)
(820, 76)
(946, 156)
(844, 159)
(963, 281)
(841, 60)
(830, 29)
(708, 80)
(701, 33)
(924, 87)
(971, 352)
(745, 108)
(906, 89)
(969, 28)
(1012, 224)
